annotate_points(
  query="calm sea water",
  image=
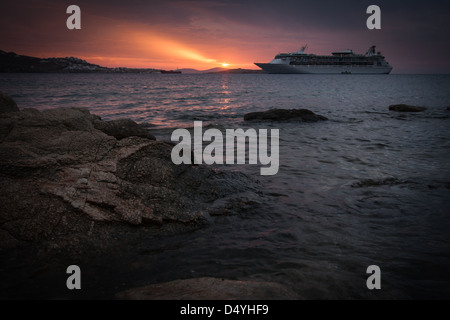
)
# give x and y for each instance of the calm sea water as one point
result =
(368, 187)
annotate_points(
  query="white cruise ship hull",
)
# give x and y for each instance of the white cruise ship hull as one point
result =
(325, 69)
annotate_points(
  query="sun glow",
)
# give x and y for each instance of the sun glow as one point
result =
(172, 50)
(138, 46)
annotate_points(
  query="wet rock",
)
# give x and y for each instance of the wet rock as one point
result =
(7, 104)
(378, 182)
(60, 174)
(304, 115)
(210, 289)
(439, 184)
(406, 108)
(122, 128)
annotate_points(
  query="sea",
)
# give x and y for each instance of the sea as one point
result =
(369, 186)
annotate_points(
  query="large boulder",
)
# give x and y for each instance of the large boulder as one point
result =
(303, 115)
(122, 128)
(7, 104)
(61, 175)
(210, 289)
(406, 108)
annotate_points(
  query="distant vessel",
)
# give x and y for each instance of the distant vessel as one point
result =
(170, 71)
(340, 62)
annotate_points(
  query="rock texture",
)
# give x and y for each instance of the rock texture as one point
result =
(210, 289)
(303, 115)
(406, 108)
(61, 174)
(122, 128)
(7, 104)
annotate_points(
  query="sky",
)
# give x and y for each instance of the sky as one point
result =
(202, 34)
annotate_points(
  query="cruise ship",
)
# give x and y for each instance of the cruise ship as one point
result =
(340, 62)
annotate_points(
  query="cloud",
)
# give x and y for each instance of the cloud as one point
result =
(203, 33)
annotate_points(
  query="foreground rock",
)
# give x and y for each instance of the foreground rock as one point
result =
(304, 115)
(7, 104)
(210, 289)
(63, 179)
(122, 128)
(406, 108)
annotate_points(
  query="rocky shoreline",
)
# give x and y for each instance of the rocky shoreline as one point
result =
(406, 108)
(78, 188)
(207, 288)
(74, 186)
(62, 165)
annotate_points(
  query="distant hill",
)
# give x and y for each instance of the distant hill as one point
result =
(214, 70)
(220, 70)
(12, 62)
(189, 70)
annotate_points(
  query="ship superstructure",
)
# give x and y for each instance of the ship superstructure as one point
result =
(339, 62)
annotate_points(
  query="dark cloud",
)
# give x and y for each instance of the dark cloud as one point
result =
(411, 30)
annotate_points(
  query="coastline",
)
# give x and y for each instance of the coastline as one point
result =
(77, 188)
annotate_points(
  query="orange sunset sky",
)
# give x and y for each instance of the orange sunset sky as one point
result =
(198, 34)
